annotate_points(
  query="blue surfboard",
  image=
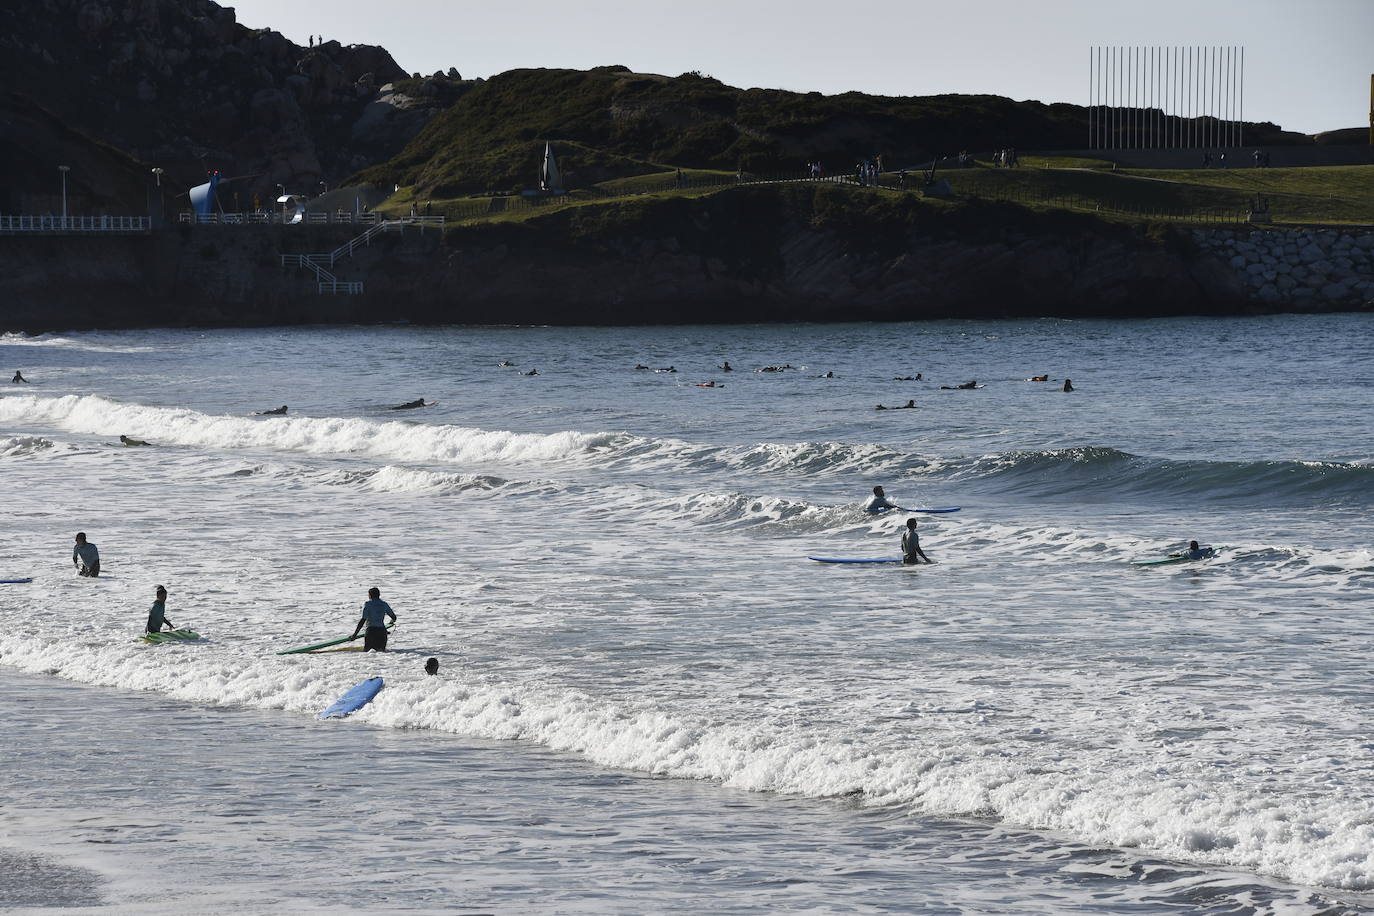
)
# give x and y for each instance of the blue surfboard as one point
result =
(854, 560)
(354, 699)
(929, 511)
(14, 581)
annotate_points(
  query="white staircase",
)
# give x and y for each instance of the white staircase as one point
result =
(325, 280)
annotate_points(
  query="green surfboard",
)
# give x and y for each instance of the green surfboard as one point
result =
(167, 636)
(319, 645)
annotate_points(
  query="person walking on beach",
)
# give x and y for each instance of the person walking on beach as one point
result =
(85, 557)
(375, 612)
(157, 614)
(911, 545)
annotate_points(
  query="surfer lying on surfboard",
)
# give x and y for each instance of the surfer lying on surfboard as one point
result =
(411, 405)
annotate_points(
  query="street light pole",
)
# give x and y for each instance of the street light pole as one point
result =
(64, 169)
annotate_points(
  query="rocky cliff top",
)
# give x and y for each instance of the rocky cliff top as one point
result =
(182, 85)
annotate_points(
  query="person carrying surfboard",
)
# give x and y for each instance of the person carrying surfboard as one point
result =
(911, 545)
(157, 614)
(879, 503)
(375, 612)
(85, 557)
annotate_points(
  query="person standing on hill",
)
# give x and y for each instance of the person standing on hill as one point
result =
(157, 614)
(85, 557)
(375, 612)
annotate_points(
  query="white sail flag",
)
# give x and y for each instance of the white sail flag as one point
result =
(550, 181)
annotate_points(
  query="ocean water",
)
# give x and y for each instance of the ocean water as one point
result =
(649, 699)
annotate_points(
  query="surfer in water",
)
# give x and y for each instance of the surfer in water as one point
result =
(505, 362)
(911, 545)
(1194, 552)
(410, 405)
(878, 503)
(157, 614)
(85, 557)
(966, 386)
(1038, 378)
(726, 367)
(909, 405)
(375, 612)
(279, 412)
(127, 441)
(19, 377)
(431, 666)
(1068, 385)
(531, 372)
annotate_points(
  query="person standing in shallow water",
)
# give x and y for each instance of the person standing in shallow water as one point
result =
(375, 612)
(1068, 385)
(157, 614)
(911, 545)
(19, 377)
(85, 557)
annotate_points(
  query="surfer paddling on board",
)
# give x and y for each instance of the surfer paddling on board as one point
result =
(879, 502)
(157, 614)
(128, 441)
(410, 405)
(1194, 552)
(911, 545)
(85, 557)
(375, 612)
(276, 412)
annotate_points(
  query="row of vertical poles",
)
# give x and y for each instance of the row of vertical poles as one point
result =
(1159, 97)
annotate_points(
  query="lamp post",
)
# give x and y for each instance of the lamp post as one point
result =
(64, 169)
(281, 188)
(157, 181)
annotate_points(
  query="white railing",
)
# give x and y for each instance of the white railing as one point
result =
(335, 286)
(74, 224)
(266, 217)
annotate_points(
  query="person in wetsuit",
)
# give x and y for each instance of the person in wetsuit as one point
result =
(1068, 385)
(375, 612)
(911, 545)
(127, 441)
(85, 557)
(19, 377)
(879, 502)
(409, 405)
(279, 412)
(157, 614)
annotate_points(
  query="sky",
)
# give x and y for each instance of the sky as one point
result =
(1307, 62)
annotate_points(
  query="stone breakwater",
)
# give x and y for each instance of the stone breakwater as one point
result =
(1305, 269)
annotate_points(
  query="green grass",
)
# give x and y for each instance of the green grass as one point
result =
(1331, 195)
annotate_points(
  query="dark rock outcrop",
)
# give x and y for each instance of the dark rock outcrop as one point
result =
(180, 84)
(743, 255)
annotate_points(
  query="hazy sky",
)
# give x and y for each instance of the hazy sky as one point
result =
(1307, 62)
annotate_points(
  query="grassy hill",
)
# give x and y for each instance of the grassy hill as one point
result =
(610, 123)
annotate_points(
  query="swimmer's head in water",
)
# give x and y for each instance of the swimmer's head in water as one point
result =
(431, 666)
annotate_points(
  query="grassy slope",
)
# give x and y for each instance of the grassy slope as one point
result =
(611, 123)
(1337, 194)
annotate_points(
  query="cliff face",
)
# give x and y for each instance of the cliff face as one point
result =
(181, 85)
(744, 255)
